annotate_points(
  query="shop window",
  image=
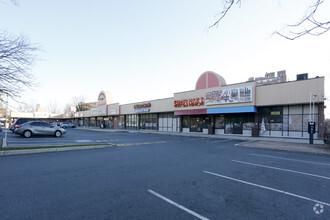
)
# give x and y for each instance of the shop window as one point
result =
(234, 124)
(285, 122)
(206, 122)
(186, 122)
(108, 122)
(196, 124)
(271, 114)
(306, 119)
(99, 121)
(92, 122)
(121, 123)
(131, 121)
(148, 121)
(276, 126)
(220, 122)
(295, 123)
(248, 121)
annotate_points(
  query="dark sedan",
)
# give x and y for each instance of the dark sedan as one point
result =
(39, 128)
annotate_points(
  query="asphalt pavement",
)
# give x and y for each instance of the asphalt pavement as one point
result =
(151, 176)
(297, 145)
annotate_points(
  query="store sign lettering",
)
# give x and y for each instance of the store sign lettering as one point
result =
(142, 110)
(146, 105)
(189, 102)
(228, 96)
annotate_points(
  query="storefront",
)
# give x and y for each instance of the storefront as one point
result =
(240, 123)
(211, 108)
(290, 121)
(281, 109)
(148, 121)
(132, 122)
(285, 109)
(168, 122)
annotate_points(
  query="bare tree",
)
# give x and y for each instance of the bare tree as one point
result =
(53, 107)
(308, 25)
(78, 102)
(24, 107)
(67, 108)
(16, 59)
(17, 56)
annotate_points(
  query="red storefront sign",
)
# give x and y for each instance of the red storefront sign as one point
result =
(189, 102)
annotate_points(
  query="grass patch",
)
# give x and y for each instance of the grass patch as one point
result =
(46, 147)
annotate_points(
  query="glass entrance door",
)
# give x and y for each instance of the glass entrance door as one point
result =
(234, 125)
(196, 124)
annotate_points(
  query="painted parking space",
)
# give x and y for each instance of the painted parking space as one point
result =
(173, 168)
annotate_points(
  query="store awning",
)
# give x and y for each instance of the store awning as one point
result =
(191, 112)
(242, 109)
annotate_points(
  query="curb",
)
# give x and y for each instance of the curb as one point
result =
(214, 136)
(47, 150)
(283, 150)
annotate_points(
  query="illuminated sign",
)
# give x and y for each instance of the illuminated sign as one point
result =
(189, 102)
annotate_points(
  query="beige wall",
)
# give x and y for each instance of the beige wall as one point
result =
(160, 105)
(113, 109)
(295, 92)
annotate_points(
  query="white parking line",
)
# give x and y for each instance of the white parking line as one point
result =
(82, 141)
(177, 205)
(287, 170)
(269, 188)
(284, 158)
(220, 141)
(246, 142)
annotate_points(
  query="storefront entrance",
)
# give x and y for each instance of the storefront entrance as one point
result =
(198, 123)
(234, 125)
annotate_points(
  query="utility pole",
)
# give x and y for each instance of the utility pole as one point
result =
(311, 123)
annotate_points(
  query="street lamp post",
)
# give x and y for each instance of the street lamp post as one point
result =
(311, 123)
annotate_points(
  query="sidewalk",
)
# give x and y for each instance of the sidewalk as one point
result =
(297, 145)
(215, 136)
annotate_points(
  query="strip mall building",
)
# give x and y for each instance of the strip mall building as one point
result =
(266, 107)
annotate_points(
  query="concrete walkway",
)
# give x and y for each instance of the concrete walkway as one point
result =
(297, 145)
(215, 136)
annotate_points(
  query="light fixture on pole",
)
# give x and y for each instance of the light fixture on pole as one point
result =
(311, 123)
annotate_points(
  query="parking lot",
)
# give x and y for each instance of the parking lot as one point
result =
(72, 137)
(150, 176)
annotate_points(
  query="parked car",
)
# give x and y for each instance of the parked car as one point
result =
(21, 121)
(67, 125)
(38, 128)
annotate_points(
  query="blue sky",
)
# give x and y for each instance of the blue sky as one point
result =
(144, 50)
